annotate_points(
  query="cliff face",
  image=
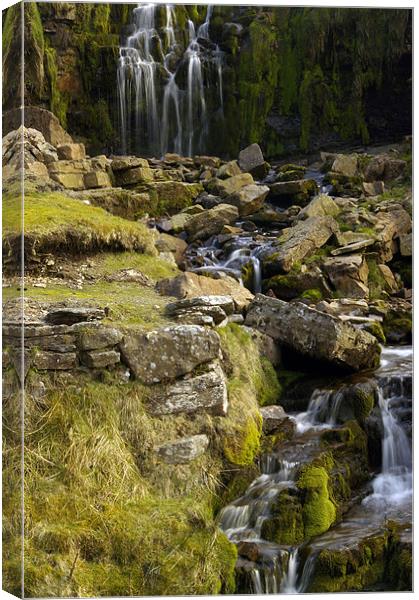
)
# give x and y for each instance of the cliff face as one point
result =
(294, 79)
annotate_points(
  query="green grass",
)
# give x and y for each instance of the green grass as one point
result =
(56, 223)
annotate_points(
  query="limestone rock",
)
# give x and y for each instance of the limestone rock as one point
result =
(134, 176)
(321, 206)
(173, 244)
(69, 316)
(224, 302)
(184, 450)
(99, 359)
(249, 199)
(274, 418)
(97, 338)
(390, 282)
(207, 391)
(345, 164)
(191, 285)
(226, 187)
(384, 167)
(210, 222)
(168, 353)
(123, 163)
(313, 334)
(405, 240)
(251, 161)
(40, 119)
(298, 242)
(230, 169)
(54, 361)
(97, 179)
(349, 275)
(353, 247)
(71, 151)
(293, 285)
(298, 191)
(207, 161)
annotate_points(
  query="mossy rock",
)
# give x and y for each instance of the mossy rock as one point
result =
(397, 327)
(285, 524)
(319, 512)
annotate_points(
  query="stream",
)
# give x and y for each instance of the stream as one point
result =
(283, 569)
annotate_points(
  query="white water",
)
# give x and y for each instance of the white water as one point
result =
(322, 411)
(156, 114)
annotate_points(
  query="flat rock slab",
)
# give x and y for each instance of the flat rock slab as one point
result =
(70, 316)
(204, 392)
(224, 302)
(354, 247)
(313, 334)
(183, 450)
(168, 353)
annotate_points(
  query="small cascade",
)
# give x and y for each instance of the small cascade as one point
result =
(322, 411)
(162, 86)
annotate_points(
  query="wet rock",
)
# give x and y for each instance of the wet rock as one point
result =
(54, 361)
(210, 222)
(249, 199)
(273, 418)
(71, 151)
(298, 191)
(168, 353)
(251, 161)
(191, 285)
(184, 450)
(349, 275)
(97, 338)
(298, 242)
(208, 200)
(69, 316)
(313, 334)
(249, 550)
(207, 392)
(99, 359)
(320, 206)
(226, 187)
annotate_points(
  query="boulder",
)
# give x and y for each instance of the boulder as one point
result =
(348, 275)
(224, 302)
(99, 337)
(174, 195)
(71, 151)
(389, 279)
(208, 200)
(207, 161)
(133, 176)
(353, 246)
(251, 161)
(173, 244)
(249, 199)
(100, 359)
(230, 169)
(293, 285)
(314, 335)
(207, 392)
(69, 173)
(70, 315)
(97, 179)
(321, 206)
(210, 222)
(298, 242)
(184, 450)
(168, 353)
(345, 164)
(40, 119)
(123, 163)
(54, 361)
(298, 191)
(373, 188)
(226, 187)
(273, 418)
(405, 241)
(26, 147)
(384, 167)
(191, 285)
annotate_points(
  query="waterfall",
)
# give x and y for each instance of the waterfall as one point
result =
(158, 115)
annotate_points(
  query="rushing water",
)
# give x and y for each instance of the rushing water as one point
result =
(282, 569)
(159, 111)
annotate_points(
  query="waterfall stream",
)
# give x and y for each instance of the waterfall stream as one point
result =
(281, 569)
(163, 85)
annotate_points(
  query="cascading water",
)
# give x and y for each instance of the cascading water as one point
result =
(157, 114)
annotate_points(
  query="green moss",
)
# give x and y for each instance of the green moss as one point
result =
(242, 447)
(58, 102)
(313, 294)
(319, 512)
(285, 524)
(268, 388)
(54, 222)
(376, 329)
(376, 282)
